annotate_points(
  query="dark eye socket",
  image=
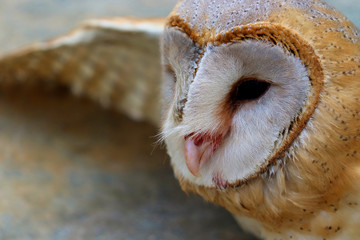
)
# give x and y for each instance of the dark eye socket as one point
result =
(249, 89)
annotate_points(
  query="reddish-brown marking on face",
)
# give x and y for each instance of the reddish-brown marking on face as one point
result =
(219, 182)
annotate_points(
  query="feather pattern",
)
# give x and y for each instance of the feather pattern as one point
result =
(115, 62)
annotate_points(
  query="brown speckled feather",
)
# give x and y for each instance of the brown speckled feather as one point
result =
(113, 61)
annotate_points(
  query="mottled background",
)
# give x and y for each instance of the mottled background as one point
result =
(71, 170)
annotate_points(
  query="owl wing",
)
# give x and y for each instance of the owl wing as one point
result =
(115, 62)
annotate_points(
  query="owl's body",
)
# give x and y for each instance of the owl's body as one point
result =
(310, 189)
(261, 105)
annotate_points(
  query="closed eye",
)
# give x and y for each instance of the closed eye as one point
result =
(248, 89)
(170, 71)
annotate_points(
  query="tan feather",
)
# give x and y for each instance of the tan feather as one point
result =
(115, 62)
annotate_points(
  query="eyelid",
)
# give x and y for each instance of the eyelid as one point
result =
(233, 97)
(243, 79)
(170, 70)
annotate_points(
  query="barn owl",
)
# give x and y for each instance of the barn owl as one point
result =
(260, 103)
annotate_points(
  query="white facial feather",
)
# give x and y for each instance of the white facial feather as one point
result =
(179, 61)
(256, 125)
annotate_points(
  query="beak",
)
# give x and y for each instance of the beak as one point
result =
(199, 148)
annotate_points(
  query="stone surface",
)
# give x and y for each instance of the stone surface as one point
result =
(71, 170)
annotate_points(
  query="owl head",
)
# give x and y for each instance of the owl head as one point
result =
(258, 100)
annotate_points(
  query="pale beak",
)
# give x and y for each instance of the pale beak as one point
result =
(198, 150)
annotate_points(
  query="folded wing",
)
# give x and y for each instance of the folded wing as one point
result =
(115, 62)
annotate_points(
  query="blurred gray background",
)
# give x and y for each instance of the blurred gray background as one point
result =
(71, 170)
(26, 21)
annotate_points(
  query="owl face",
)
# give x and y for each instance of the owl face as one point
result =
(234, 101)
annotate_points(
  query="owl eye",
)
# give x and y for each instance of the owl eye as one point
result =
(170, 70)
(249, 89)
